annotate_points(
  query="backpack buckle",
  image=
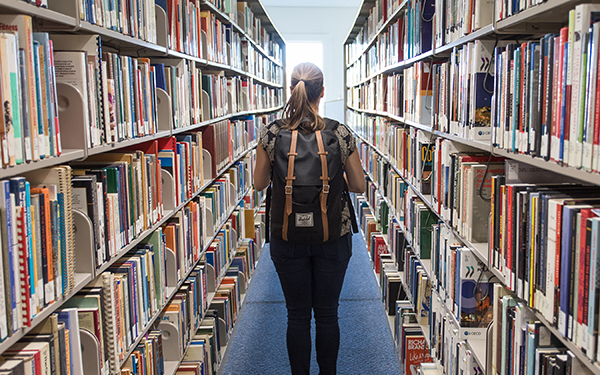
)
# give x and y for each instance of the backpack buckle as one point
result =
(288, 190)
(326, 189)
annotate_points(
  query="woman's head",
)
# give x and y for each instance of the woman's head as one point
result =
(307, 89)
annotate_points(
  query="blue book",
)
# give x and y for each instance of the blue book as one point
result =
(162, 4)
(426, 27)
(516, 98)
(141, 268)
(153, 104)
(565, 321)
(458, 282)
(132, 93)
(161, 80)
(38, 94)
(131, 285)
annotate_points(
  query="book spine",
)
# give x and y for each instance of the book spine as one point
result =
(23, 266)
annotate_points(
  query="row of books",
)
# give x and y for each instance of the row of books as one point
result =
(120, 195)
(407, 277)
(414, 32)
(553, 113)
(526, 120)
(119, 92)
(135, 18)
(505, 9)
(450, 351)
(461, 92)
(411, 345)
(522, 274)
(185, 21)
(192, 317)
(554, 272)
(252, 25)
(38, 262)
(29, 126)
(379, 14)
(413, 222)
(409, 36)
(387, 50)
(453, 97)
(201, 33)
(118, 306)
(460, 18)
(457, 180)
(260, 66)
(520, 342)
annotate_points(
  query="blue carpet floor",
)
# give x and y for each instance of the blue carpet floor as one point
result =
(257, 346)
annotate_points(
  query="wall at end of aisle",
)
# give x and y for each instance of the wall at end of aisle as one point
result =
(328, 25)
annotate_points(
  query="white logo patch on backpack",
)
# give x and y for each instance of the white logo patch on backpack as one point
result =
(304, 220)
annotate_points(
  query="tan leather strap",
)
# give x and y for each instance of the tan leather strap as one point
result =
(325, 190)
(288, 184)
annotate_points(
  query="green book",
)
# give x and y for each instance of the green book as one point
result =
(426, 220)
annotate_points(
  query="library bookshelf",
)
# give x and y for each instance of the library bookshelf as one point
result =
(194, 133)
(415, 73)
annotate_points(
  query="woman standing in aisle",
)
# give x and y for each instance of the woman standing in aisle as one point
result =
(311, 275)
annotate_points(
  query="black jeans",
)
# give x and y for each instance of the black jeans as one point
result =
(311, 277)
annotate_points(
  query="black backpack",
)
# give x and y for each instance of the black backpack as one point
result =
(309, 191)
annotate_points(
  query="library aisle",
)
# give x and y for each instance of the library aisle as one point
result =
(258, 342)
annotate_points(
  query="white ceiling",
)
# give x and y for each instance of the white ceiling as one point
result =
(312, 3)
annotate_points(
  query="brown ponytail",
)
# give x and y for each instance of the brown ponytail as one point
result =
(307, 85)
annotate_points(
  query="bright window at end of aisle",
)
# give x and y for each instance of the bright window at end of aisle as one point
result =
(299, 52)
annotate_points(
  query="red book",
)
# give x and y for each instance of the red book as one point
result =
(439, 176)
(400, 39)
(557, 259)
(584, 267)
(509, 236)
(522, 89)
(556, 93)
(380, 248)
(416, 352)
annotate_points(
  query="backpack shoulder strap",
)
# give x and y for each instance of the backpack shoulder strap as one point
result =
(331, 124)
